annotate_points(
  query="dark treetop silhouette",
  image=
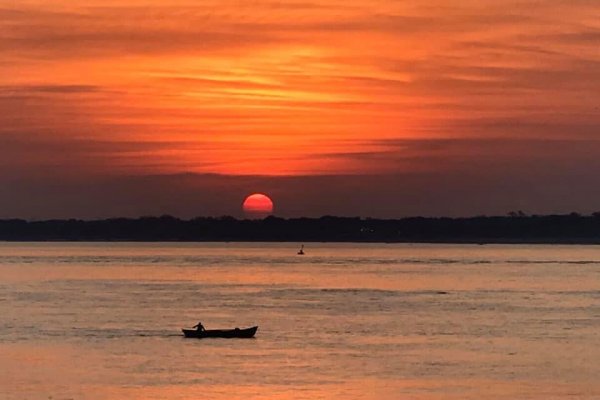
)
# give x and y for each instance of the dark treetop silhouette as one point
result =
(514, 228)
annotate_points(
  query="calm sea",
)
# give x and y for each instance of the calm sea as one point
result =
(344, 321)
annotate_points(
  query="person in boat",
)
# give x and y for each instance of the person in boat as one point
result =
(199, 327)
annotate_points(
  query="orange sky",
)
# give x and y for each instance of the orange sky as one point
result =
(296, 88)
(279, 87)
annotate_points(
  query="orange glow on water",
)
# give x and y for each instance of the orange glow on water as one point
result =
(493, 316)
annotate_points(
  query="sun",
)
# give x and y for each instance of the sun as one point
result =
(257, 205)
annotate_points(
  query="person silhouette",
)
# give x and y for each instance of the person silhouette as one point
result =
(199, 327)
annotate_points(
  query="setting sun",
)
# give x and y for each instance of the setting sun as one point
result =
(257, 205)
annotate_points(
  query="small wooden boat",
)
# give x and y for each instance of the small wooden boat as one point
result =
(221, 333)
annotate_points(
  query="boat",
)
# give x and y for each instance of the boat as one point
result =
(220, 333)
(301, 251)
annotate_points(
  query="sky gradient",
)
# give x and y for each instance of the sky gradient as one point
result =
(373, 108)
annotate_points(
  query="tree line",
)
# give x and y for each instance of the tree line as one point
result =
(513, 228)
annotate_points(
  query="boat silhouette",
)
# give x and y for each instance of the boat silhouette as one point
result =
(221, 333)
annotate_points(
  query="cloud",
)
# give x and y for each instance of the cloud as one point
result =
(586, 36)
(104, 31)
(13, 90)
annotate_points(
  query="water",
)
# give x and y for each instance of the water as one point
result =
(345, 321)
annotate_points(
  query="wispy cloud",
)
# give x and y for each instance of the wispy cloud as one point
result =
(269, 87)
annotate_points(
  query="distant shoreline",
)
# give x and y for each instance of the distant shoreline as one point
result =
(514, 229)
(475, 243)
